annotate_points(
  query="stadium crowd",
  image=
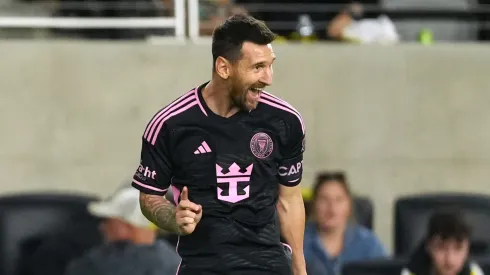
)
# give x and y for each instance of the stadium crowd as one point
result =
(307, 21)
(442, 234)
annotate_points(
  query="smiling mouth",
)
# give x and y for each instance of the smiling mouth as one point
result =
(256, 90)
(254, 93)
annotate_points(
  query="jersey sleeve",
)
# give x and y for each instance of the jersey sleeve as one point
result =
(154, 172)
(290, 168)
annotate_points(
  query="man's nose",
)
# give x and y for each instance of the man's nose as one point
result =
(266, 77)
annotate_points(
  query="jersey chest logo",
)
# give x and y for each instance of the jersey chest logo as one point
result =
(261, 145)
(235, 192)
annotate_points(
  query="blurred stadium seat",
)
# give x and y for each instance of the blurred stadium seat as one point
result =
(412, 215)
(394, 266)
(364, 211)
(374, 267)
(450, 29)
(27, 219)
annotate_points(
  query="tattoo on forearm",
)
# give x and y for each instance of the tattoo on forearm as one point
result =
(159, 211)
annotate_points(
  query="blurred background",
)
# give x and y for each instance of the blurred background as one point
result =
(395, 95)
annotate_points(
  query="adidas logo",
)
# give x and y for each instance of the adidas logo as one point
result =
(203, 149)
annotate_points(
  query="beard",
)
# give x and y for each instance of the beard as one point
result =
(239, 101)
(245, 97)
(237, 94)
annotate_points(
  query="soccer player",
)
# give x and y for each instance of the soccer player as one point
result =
(232, 154)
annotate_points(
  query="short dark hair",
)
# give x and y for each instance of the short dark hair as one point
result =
(229, 37)
(448, 224)
(326, 177)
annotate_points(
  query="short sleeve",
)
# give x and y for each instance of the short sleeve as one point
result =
(290, 168)
(154, 172)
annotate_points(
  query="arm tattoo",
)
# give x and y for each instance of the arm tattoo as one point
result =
(159, 211)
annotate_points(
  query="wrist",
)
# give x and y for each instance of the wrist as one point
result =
(176, 227)
(298, 261)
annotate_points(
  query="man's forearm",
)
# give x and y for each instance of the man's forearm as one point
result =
(291, 213)
(159, 211)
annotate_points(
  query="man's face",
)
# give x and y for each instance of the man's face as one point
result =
(114, 229)
(448, 256)
(251, 74)
(356, 10)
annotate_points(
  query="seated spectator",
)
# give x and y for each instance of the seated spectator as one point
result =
(351, 26)
(214, 12)
(445, 250)
(130, 241)
(333, 238)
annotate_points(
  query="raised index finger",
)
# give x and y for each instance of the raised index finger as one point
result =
(184, 195)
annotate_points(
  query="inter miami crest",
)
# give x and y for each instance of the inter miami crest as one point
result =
(261, 145)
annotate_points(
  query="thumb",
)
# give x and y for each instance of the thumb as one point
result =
(184, 195)
(198, 209)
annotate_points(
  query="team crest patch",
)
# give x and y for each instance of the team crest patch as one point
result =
(261, 145)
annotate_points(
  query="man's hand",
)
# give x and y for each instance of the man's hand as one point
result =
(299, 267)
(187, 214)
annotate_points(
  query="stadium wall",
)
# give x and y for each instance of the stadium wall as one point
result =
(400, 120)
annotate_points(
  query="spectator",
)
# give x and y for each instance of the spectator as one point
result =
(332, 238)
(214, 12)
(131, 247)
(351, 26)
(446, 248)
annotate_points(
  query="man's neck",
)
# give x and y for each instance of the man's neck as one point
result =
(143, 237)
(333, 241)
(331, 234)
(217, 98)
(433, 271)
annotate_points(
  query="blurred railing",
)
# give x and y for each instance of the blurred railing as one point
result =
(189, 20)
(177, 22)
(434, 13)
(321, 14)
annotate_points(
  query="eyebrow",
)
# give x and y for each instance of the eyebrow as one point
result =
(263, 62)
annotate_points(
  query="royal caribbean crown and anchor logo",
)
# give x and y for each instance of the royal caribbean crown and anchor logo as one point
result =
(234, 185)
(237, 183)
(261, 145)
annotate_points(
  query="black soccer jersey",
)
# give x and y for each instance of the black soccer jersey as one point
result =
(232, 167)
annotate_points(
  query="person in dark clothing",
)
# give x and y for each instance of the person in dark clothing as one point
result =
(233, 154)
(445, 250)
(130, 247)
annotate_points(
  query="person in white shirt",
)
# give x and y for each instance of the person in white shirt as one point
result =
(351, 26)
